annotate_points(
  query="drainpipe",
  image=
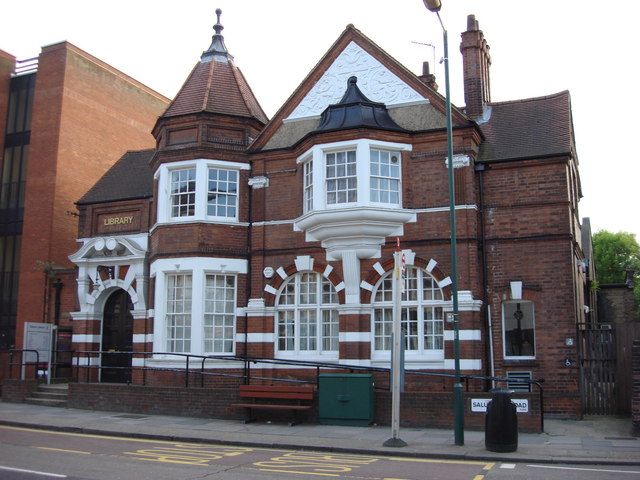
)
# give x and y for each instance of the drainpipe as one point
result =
(489, 365)
(56, 312)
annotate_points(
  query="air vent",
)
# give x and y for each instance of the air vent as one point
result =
(518, 386)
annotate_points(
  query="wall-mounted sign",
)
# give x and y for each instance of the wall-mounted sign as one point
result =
(480, 404)
(118, 222)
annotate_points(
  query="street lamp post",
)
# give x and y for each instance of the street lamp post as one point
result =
(458, 402)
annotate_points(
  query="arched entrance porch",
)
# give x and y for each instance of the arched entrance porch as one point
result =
(117, 337)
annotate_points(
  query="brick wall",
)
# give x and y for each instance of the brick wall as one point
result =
(616, 304)
(17, 390)
(85, 115)
(418, 409)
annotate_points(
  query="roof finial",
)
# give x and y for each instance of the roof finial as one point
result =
(218, 26)
(217, 42)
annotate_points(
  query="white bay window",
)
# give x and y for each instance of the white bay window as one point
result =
(353, 173)
(199, 190)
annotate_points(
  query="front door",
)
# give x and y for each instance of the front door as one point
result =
(117, 338)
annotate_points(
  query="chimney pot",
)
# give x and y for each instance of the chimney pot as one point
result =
(427, 78)
(472, 23)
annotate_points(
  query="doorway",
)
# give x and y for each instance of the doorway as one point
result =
(117, 338)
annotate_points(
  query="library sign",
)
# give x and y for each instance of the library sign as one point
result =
(118, 222)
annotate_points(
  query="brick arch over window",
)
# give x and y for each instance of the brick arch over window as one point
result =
(283, 273)
(430, 266)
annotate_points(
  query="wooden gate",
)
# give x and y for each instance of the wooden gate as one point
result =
(598, 369)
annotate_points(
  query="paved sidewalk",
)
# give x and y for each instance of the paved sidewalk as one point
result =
(596, 440)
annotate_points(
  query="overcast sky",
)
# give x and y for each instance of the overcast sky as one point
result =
(538, 48)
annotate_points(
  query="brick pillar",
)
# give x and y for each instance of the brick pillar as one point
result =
(635, 390)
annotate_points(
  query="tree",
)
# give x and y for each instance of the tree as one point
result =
(614, 254)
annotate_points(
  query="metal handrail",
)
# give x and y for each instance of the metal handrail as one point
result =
(22, 363)
(247, 361)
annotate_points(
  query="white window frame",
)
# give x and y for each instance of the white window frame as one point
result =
(421, 354)
(293, 313)
(163, 176)
(187, 307)
(307, 189)
(317, 156)
(226, 194)
(341, 159)
(179, 195)
(389, 178)
(198, 268)
(504, 331)
(226, 337)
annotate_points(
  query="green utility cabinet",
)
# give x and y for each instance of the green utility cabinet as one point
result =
(345, 399)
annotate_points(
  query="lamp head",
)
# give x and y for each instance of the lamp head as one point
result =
(433, 5)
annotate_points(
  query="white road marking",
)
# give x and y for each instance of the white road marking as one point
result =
(34, 472)
(510, 466)
(633, 472)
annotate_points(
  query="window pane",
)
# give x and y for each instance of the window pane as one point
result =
(222, 193)
(183, 192)
(519, 338)
(385, 177)
(178, 313)
(341, 180)
(307, 319)
(219, 314)
(422, 323)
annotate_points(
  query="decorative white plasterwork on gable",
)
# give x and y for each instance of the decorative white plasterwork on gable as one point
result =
(374, 80)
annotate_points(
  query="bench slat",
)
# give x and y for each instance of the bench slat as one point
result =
(265, 406)
(277, 395)
(278, 388)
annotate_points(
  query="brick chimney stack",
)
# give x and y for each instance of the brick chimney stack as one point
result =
(427, 77)
(476, 62)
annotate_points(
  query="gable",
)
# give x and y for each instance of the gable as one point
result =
(375, 80)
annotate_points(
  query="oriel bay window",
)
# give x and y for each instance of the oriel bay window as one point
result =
(307, 317)
(199, 190)
(353, 173)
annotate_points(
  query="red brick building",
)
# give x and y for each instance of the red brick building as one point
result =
(65, 118)
(239, 234)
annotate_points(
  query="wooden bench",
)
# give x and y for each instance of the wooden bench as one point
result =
(295, 398)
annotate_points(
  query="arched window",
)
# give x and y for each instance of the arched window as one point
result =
(422, 316)
(307, 316)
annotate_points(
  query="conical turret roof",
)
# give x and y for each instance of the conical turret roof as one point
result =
(216, 85)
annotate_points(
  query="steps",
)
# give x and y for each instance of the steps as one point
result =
(54, 395)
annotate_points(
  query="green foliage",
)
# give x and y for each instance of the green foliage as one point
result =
(614, 254)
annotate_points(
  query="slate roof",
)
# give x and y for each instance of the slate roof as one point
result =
(130, 178)
(529, 128)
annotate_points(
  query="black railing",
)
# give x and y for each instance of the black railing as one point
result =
(247, 362)
(11, 353)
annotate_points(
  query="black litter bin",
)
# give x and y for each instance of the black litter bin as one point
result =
(501, 423)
